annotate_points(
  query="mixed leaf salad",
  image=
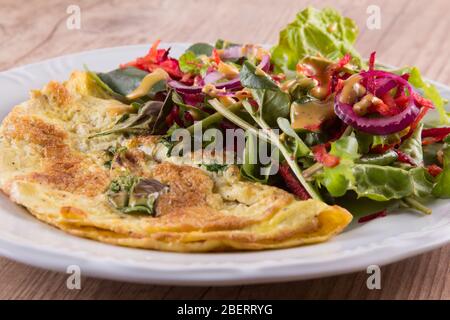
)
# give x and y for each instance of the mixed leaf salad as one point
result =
(352, 131)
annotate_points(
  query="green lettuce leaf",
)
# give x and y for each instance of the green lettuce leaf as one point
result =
(413, 146)
(316, 32)
(428, 90)
(442, 187)
(339, 179)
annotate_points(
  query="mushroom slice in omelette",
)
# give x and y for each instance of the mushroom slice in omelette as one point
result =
(141, 198)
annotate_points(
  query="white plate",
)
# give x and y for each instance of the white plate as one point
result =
(25, 239)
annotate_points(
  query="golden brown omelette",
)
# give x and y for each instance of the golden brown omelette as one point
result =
(51, 165)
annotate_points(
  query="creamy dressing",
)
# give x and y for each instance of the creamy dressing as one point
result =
(147, 83)
(352, 90)
(312, 114)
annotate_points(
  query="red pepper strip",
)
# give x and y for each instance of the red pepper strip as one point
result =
(434, 170)
(292, 182)
(373, 216)
(403, 157)
(216, 56)
(322, 156)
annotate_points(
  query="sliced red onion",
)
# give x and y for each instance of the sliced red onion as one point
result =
(265, 63)
(383, 86)
(212, 77)
(234, 52)
(229, 85)
(379, 126)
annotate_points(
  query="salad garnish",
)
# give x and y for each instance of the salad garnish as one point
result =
(344, 127)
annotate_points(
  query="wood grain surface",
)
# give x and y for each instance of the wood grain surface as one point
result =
(412, 32)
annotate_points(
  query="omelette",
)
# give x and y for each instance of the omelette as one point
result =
(53, 164)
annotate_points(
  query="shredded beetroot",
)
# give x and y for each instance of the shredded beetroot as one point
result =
(403, 157)
(421, 101)
(292, 182)
(372, 60)
(344, 60)
(373, 216)
(322, 156)
(416, 122)
(371, 80)
(434, 170)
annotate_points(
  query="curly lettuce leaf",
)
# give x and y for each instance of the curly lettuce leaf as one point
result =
(428, 90)
(442, 187)
(413, 146)
(339, 179)
(316, 32)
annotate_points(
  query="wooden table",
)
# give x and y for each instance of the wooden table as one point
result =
(412, 31)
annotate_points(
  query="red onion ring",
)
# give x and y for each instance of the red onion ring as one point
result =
(212, 77)
(379, 126)
(228, 85)
(234, 52)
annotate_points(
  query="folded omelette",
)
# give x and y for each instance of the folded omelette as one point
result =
(51, 165)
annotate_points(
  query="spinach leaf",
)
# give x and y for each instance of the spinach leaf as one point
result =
(214, 167)
(364, 206)
(273, 104)
(159, 125)
(131, 194)
(123, 81)
(250, 78)
(316, 32)
(413, 146)
(251, 168)
(293, 142)
(201, 48)
(141, 122)
(442, 187)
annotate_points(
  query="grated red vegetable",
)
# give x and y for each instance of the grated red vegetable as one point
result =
(292, 182)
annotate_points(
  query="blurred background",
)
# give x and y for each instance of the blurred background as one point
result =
(411, 31)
